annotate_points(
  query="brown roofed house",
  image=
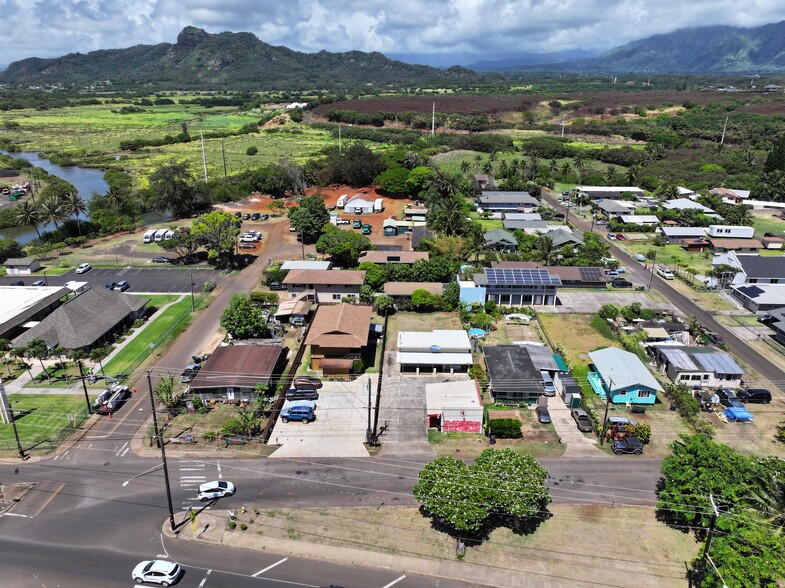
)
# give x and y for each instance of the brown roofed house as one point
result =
(324, 286)
(737, 245)
(338, 336)
(232, 373)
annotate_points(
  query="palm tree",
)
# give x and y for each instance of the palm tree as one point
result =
(553, 166)
(37, 348)
(632, 173)
(75, 205)
(53, 210)
(545, 249)
(27, 214)
(534, 168)
(5, 345)
(465, 166)
(611, 173)
(769, 500)
(579, 162)
(164, 392)
(19, 354)
(565, 169)
(115, 197)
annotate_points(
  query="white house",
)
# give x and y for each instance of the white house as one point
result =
(610, 192)
(731, 231)
(447, 351)
(698, 367)
(454, 406)
(378, 205)
(638, 219)
(358, 203)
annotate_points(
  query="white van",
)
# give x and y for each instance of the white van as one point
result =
(159, 235)
(548, 389)
(148, 236)
(168, 235)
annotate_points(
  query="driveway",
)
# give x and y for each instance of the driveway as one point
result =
(578, 444)
(590, 301)
(339, 428)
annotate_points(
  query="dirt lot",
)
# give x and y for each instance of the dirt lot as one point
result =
(563, 551)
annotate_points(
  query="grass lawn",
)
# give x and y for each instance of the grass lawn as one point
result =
(158, 332)
(158, 300)
(11, 370)
(414, 321)
(577, 334)
(57, 377)
(670, 255)
(44, 416)
(553, 553)
(768, 222)
(732, 320)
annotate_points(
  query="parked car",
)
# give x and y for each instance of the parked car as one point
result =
(162, 259)
(728, 398)
(582, 419)
(301, 394)
(639, 257)
(246, 216)
(357, 224)
(611, 236)
(217, 489)
(121, 286)
(248, 238)
(304, 411)
(620, 237)
(118, 395)
(620, 283)
(84, 268)
(366, 230)
(276, 286)
(548, 388)
(190, 372)
(343, 221)
(247, 246)
(629, 445)
(713, 338)
(264, 217)
(17, 283)
(543, 415)
(292, 229)
(157, 571)
(618, 423)
(307, 382)
(612, 275)
(238, 215)
(39, 283)
(200, 358)
(110, 286)
(665, 273)
(755, 395)
(256, 216)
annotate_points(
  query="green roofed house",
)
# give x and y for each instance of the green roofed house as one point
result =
(623, 375)
(501, 240)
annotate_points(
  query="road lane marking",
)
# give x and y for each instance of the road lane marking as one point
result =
(268, 568)
(127, 449)
(220, 475)
(394, 582)
(48, 500)
(204, 579)
(13, 514)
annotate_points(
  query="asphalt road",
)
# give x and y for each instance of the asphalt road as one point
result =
(737, 346)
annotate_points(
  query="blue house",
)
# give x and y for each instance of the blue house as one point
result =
(622, 375)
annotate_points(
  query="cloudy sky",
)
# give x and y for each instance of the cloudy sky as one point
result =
(440, 32)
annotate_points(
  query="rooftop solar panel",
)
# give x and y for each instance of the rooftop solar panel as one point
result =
(521, 276)
(591, 274)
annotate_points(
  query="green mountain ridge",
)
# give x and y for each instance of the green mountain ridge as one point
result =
(200, 60)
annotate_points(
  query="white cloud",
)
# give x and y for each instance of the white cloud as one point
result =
(480, 27)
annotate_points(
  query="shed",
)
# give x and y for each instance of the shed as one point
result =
(358, 204)
(21, 266)
(454, 406)
(390, 227)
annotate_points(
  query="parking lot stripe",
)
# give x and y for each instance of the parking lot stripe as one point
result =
(394, 582)
(268, 568)
(204, 579)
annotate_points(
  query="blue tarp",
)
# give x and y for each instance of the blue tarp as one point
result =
(738, 414)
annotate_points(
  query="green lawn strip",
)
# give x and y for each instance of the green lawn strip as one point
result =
(47, 415)
(139, 348)
(768, 223)
(158, 300)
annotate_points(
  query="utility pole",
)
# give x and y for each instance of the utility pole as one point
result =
(204, 157)
(340, 150)
(607, 405)
(302, 243)
(724, 128)
(84, 386)
(433, 119)
(700, 573)
(161, 444)
(8, 414)
(369, 431)
(191, 275)
(653, 263)
(223, 153)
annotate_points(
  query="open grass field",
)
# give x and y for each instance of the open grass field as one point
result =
(564, 550)
(768, 222)
(42, 418)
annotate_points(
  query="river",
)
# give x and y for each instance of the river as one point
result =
(86, 181)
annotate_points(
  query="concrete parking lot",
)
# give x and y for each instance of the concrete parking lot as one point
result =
(590, 301)
(339, 428)
(158, 280)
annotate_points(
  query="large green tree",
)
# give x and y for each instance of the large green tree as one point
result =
(343, 247)
(243, 319)
(499, 486)
(218, 232)
(310, 218)
(173, 188)
(9, 248)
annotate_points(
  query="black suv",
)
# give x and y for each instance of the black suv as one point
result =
(301, 394)
(756, 395)
(728, 398)
(628, 445)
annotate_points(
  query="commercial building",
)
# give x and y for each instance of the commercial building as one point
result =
(21, 307)
(454, 406)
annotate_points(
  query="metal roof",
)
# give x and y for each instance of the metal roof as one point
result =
(719, 363)
(623, 368)
(305, 265)
(450, 341)
(679, 359)
(462, 394)
(542, 357)
(683, 231)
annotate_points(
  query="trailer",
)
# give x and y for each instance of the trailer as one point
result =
(342, 201)
(159, 235)
(149, 236)
(378, 205)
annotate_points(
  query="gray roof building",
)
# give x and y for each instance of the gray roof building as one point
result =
(86, 321)
(561, 237)
(513, 376)
(500, 239)
(537, 226)
(612, 207)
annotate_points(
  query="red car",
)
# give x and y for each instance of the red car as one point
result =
(621, 237)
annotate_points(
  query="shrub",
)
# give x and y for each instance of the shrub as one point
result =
(232, 525)
(505, 428)
(478, 373)
(251, 150)
(642, 431)
(243, 526)
(357, 366)
(209, 436)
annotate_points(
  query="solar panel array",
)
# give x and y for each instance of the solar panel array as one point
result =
(592, 274)
(525, 277)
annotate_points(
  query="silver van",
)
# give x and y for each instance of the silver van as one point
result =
(548, 389)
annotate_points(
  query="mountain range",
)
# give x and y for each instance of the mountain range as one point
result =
(241, 61)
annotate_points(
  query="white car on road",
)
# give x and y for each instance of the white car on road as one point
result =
(665, 273)
(217, 489)
(157, 571)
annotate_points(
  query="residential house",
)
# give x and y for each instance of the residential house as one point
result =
(338, 336)
(415, 214)
(418, 234)
(512, 374)
(622, 376)
(483, 183)
(731, 196)
(324, 286)
(697, 367)
(454, 406)
(755, 269)
(499, 202)
(563, 236)
(610, 192)
(740, 246)
(675, 235)
(641, 220)
(233, 372)
(570, 276)
(695, 245)
(777, 324)
(731, 231)
(400, 257)
(447, 351)
(359, 204)
(500, 240)
(686, 192)
(518, 287)
(22, 266)
(530, 227)
(772, 242)
(522, 216)
(686, 204)
(87, 321)
(760, 298)
(20, 305)
(611, 208)
(400, 291)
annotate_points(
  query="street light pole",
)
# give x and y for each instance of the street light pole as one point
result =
(160, 441)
